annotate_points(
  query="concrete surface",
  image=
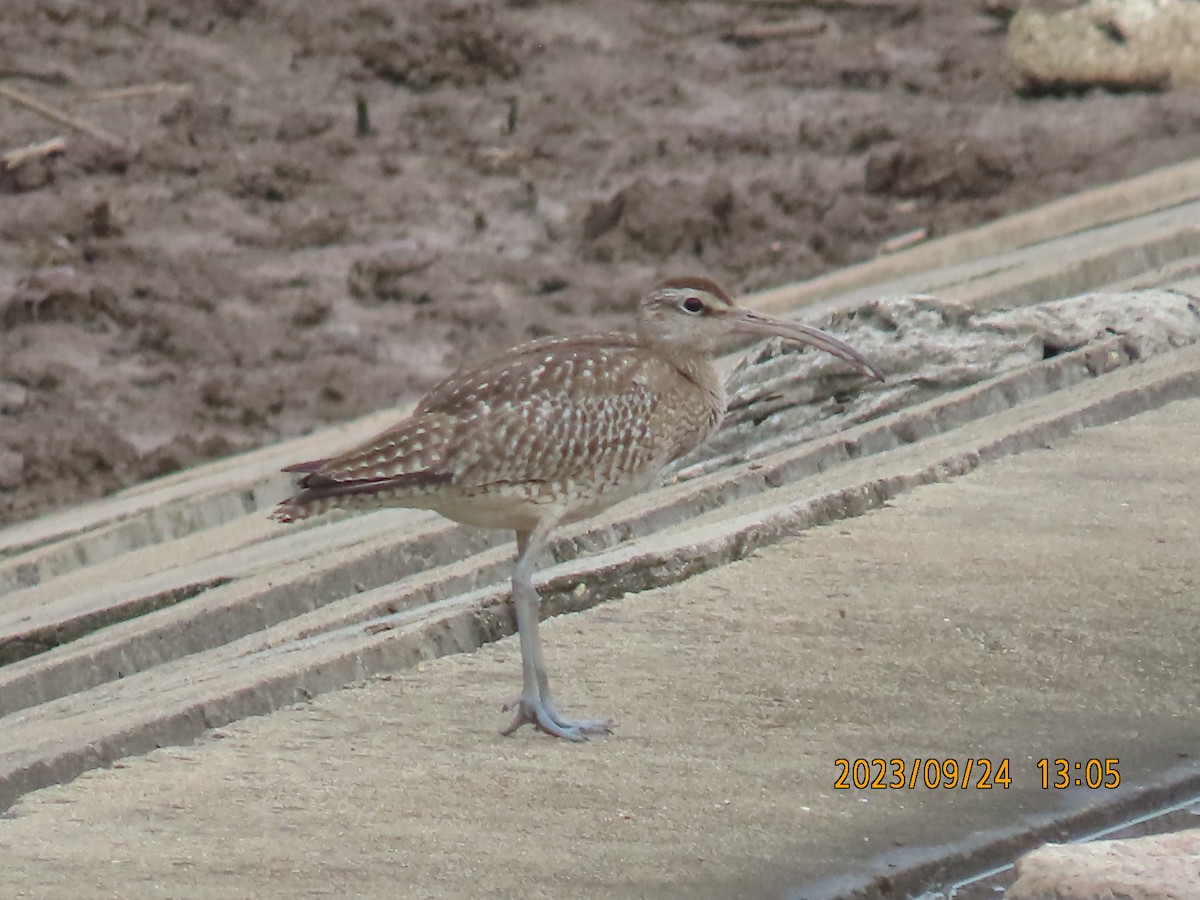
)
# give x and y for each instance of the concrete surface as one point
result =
(1042, 606)
(1013, 613)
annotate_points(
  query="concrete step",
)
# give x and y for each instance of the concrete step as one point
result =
(176, 606)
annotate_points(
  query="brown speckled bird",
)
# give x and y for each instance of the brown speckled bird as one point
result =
(552, 432)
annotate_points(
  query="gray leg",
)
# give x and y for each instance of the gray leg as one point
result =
(536, 706)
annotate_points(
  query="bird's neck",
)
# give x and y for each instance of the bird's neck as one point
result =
(699, 369)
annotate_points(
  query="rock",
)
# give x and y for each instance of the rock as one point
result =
(198, 116)
(276, 184)
(311, 311)
(602, 216)
(661, 217)
(31, 175)
(301, 124)
(100, 157)
(925, 167)
(466, 45)
(944, 345)
(61, 294)
(381, 274)
(46, 293)
(13, 398)
(312, 228)
(1158, 867)
(1149, 321)
(1122, 44)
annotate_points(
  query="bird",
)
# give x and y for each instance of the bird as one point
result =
(552, 432)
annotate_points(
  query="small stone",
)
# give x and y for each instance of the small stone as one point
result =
(313, 229)
(45, 293)
(29, 176)
(303, 124)
(381, 274)
(311, 311)
(602, 216)
(100, 157)
(100, 220)
(13, 397)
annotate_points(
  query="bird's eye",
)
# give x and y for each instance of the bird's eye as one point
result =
(693, 305)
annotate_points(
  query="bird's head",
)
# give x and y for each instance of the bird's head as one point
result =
(694, 315)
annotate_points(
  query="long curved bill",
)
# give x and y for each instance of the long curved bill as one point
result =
(749, 322)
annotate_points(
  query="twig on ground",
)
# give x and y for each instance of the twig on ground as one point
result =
(757, 32)
(40, 150)
(903, 241)
(56, 115)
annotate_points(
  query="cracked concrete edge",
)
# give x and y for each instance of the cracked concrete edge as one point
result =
(109, 593)
(232, 616)
(264, 680)
(362, 553)
(173, 505)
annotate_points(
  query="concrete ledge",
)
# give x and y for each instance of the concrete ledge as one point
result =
(177, 701)
(152, 617)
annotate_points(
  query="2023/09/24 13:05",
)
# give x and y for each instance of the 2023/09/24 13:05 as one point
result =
(982, 774)
(1093, 773)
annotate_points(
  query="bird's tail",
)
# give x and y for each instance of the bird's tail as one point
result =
(319, 493)
(302, 505)
(293, 509)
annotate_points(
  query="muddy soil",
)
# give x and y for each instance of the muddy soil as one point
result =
(321, 209)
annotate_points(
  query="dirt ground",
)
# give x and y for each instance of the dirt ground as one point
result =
(247, 265)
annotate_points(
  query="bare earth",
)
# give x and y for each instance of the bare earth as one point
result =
(245, 267)
(1043, 606)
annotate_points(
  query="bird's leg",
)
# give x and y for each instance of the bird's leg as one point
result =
(539, 661)
(535, 705)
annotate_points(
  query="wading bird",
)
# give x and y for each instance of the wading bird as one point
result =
(552, 432)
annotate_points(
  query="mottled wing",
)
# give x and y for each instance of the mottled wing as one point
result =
(591, 410)
(412, 452)
(409, 455)
(555, 410)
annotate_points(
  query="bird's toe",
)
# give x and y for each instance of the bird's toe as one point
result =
(546, 719)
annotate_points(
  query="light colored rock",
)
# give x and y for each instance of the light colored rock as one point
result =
(13, 397)
(931, 345)
(1149, 321)
(1158, 867)
(1107, 43)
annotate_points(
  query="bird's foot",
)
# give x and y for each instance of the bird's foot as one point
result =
(544, 717)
